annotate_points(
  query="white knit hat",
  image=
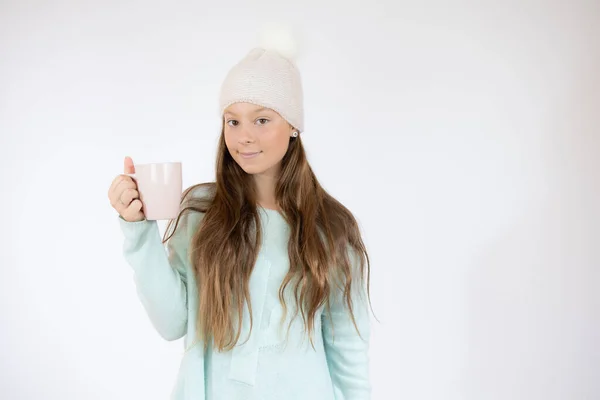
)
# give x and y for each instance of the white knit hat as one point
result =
(267, 76)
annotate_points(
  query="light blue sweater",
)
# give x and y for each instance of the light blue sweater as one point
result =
(265, 366)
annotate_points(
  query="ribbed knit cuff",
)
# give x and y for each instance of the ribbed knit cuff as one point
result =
(133, 230)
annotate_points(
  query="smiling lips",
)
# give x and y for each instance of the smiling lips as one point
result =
(249, 155)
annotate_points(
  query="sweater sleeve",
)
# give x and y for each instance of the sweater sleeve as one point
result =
(348, 352)
(159, 274)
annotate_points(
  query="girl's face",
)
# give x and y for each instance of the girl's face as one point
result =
(257, 138)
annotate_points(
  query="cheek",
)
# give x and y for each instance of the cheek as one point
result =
(283, 146)
(229, 142)
(278, 146)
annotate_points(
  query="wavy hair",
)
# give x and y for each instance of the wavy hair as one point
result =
(225, 245)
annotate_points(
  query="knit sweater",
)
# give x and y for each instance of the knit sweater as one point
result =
(268, 362)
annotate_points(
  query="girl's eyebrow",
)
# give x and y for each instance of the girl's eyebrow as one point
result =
(258, 110)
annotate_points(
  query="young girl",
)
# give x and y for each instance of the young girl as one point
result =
(264, 273)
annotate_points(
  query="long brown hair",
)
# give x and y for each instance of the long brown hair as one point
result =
(226, 243)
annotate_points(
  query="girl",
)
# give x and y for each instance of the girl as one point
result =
(263, 272)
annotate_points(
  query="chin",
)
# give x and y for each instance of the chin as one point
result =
(251, 169)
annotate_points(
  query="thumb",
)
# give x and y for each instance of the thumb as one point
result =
(128, 166)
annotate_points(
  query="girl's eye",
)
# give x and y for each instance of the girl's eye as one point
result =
(232, 121)
(262, 119)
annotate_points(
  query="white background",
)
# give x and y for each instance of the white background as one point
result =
(463, 135)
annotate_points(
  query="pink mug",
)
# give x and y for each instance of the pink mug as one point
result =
(160, 189)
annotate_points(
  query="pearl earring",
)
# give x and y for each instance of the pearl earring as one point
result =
(295, 134)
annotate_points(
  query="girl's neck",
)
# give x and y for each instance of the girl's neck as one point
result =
(265, 191)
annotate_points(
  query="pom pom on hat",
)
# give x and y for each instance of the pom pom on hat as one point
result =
(280, 39)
